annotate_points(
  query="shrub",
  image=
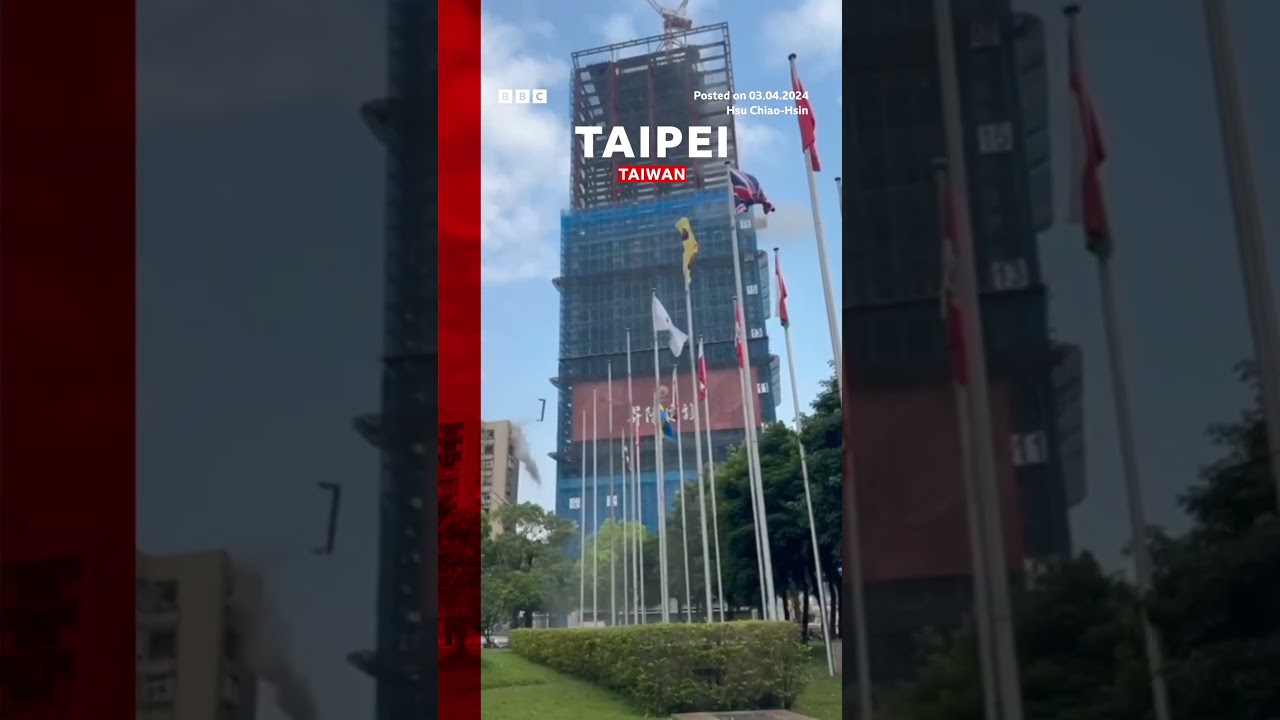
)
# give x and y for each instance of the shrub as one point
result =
(679, 668)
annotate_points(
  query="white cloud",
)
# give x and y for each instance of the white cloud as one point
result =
(524, 157)
(756, 140)
(619, 27)
(812, 29)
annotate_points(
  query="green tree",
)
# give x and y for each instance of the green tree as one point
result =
(1214, 600)
(823, 434)
(787, 512)
(614, 540)
(524, 568)
(1216, 594)
(1079, 651)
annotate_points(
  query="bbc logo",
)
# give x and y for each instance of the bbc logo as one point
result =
(522, 97)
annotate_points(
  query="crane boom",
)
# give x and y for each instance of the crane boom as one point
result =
(674, 24)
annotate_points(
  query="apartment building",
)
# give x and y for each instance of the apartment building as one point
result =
(499, 465)
(191, 660)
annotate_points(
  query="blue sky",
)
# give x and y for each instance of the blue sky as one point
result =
(526, 172)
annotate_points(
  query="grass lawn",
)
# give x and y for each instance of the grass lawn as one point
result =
(512, 687)
(821, 697)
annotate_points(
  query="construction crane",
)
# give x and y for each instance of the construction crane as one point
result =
(674, 24)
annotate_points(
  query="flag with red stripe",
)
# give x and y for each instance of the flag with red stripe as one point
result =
(782, 290)
(740, 334)
(702, 372)
(1087, 205)
(808, 121)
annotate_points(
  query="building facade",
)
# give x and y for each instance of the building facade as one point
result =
(405, 427)
(499, 467)
(906, 455)
(192, 645)
(620, 248)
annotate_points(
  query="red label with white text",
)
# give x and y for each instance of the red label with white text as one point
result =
(653, 174)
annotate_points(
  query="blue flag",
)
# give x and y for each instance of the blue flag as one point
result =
(667, 422)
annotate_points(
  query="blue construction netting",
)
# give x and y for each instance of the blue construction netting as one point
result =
(700, 203)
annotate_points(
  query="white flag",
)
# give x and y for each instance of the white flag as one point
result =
(662, 322)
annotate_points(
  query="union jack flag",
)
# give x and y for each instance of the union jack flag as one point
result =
(747, 192)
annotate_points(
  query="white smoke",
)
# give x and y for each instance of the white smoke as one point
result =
(267, 645)
(523, 453)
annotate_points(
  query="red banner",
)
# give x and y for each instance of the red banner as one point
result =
(908, 461)
(724, 391)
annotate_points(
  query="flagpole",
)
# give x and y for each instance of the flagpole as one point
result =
(833, 318)
(582, 530)
(697, 448)
(804, 476)
(1259, 298)
(595, 508)
(1133, 484)
(626, 523)
(1124, 428)
(637, 546)
(765, 611)
(642, 609)
(981, 601)
(663, 586)
(612, 504)
(624, 445)
(753, 472)
(1004, 645)
(753, 455)
(711, 477)
(684, 518)
(634, 420)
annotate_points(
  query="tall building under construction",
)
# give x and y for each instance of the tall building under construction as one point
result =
(405, 427)
(906, 453)
(619, 246)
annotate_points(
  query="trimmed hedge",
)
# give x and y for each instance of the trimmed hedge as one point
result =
(679, 668)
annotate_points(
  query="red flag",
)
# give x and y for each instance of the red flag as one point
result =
(950, 310)
(740, 334)
(808, 121)
(702, 373)
(1087, 205)
(782, 290)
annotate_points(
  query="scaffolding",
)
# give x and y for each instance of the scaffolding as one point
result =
(404, 429)
(648, 83)
(613, 259)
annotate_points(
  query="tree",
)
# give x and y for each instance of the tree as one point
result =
(1217, 588)
(823, 435)
(524, 568)
(614, 539)
(787, 513)
(1214, 600)
(1079, 652)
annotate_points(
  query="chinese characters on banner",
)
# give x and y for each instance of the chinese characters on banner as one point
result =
(724, 391)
